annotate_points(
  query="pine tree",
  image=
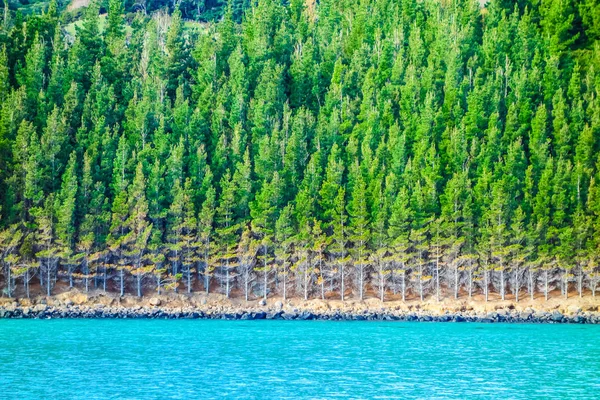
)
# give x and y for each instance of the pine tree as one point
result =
(360, 231)
(205, 235)
(339, 246)
(10, 240)
(284, 231)
(65, 225)
(247, 259)
(139, 229)
(48, 250)
(226, 233)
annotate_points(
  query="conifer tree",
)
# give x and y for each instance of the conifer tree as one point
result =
(361, 235)
(205, 236)
(139, 229)
(226, 233)
(284, 232)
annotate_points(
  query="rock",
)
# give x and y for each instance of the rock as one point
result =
(262, 302)
(307, 315)
(278, 305)
(289, 316)
(260, 315)
(556, 316)
(79, 298)
(39, 308)
(155, 302)
(525, 315)
(574, 310)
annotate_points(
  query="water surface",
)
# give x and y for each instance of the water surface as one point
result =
(160, 359)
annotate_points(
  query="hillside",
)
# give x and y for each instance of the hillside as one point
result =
(336, 149)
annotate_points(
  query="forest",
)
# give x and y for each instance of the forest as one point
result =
(333, 149)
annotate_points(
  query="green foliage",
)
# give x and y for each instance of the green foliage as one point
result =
(388, 137)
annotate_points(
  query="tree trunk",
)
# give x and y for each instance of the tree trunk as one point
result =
(361, 282)
(502, 283)
(86, 277)
(437, 278)
(486, 283)
(381, 283)
(206, 278)
(470, 283)
(48, 281)
(580, 283)
(306, 283)
(122, 282)
(517, 285)
(227, 281)
(8, 282)
(284, 286)
(546, 287)
(531, 287)
(265, 269)
(343, 288)
(189, 279)
(27, 282)
(421, 279)
(265, 276)
(139, 285)
(404, 286)
(456, 283)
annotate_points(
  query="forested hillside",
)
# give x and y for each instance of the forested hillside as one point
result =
(341, 148)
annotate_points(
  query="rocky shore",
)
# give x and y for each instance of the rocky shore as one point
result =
(277, 311)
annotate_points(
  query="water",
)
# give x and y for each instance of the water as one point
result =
(292, 359)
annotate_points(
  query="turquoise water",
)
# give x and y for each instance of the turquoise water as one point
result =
(195, 359)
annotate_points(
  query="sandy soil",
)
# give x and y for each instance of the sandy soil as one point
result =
(215, 301)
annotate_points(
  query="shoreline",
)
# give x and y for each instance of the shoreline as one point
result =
(500, 316)
(77, 305)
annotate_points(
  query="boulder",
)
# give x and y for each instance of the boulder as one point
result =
(307, 315)
(556, 316)
(278, 305)
(260, 315)
(79, 298)
(574, 310)
(155, 302)
(262, 302)
(39, 308)
(525, 315)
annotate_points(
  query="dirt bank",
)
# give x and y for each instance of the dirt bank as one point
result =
(96, 304)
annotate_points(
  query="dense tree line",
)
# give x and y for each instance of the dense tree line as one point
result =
(331, 149)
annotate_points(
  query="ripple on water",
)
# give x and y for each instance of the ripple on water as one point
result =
(281, 359)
